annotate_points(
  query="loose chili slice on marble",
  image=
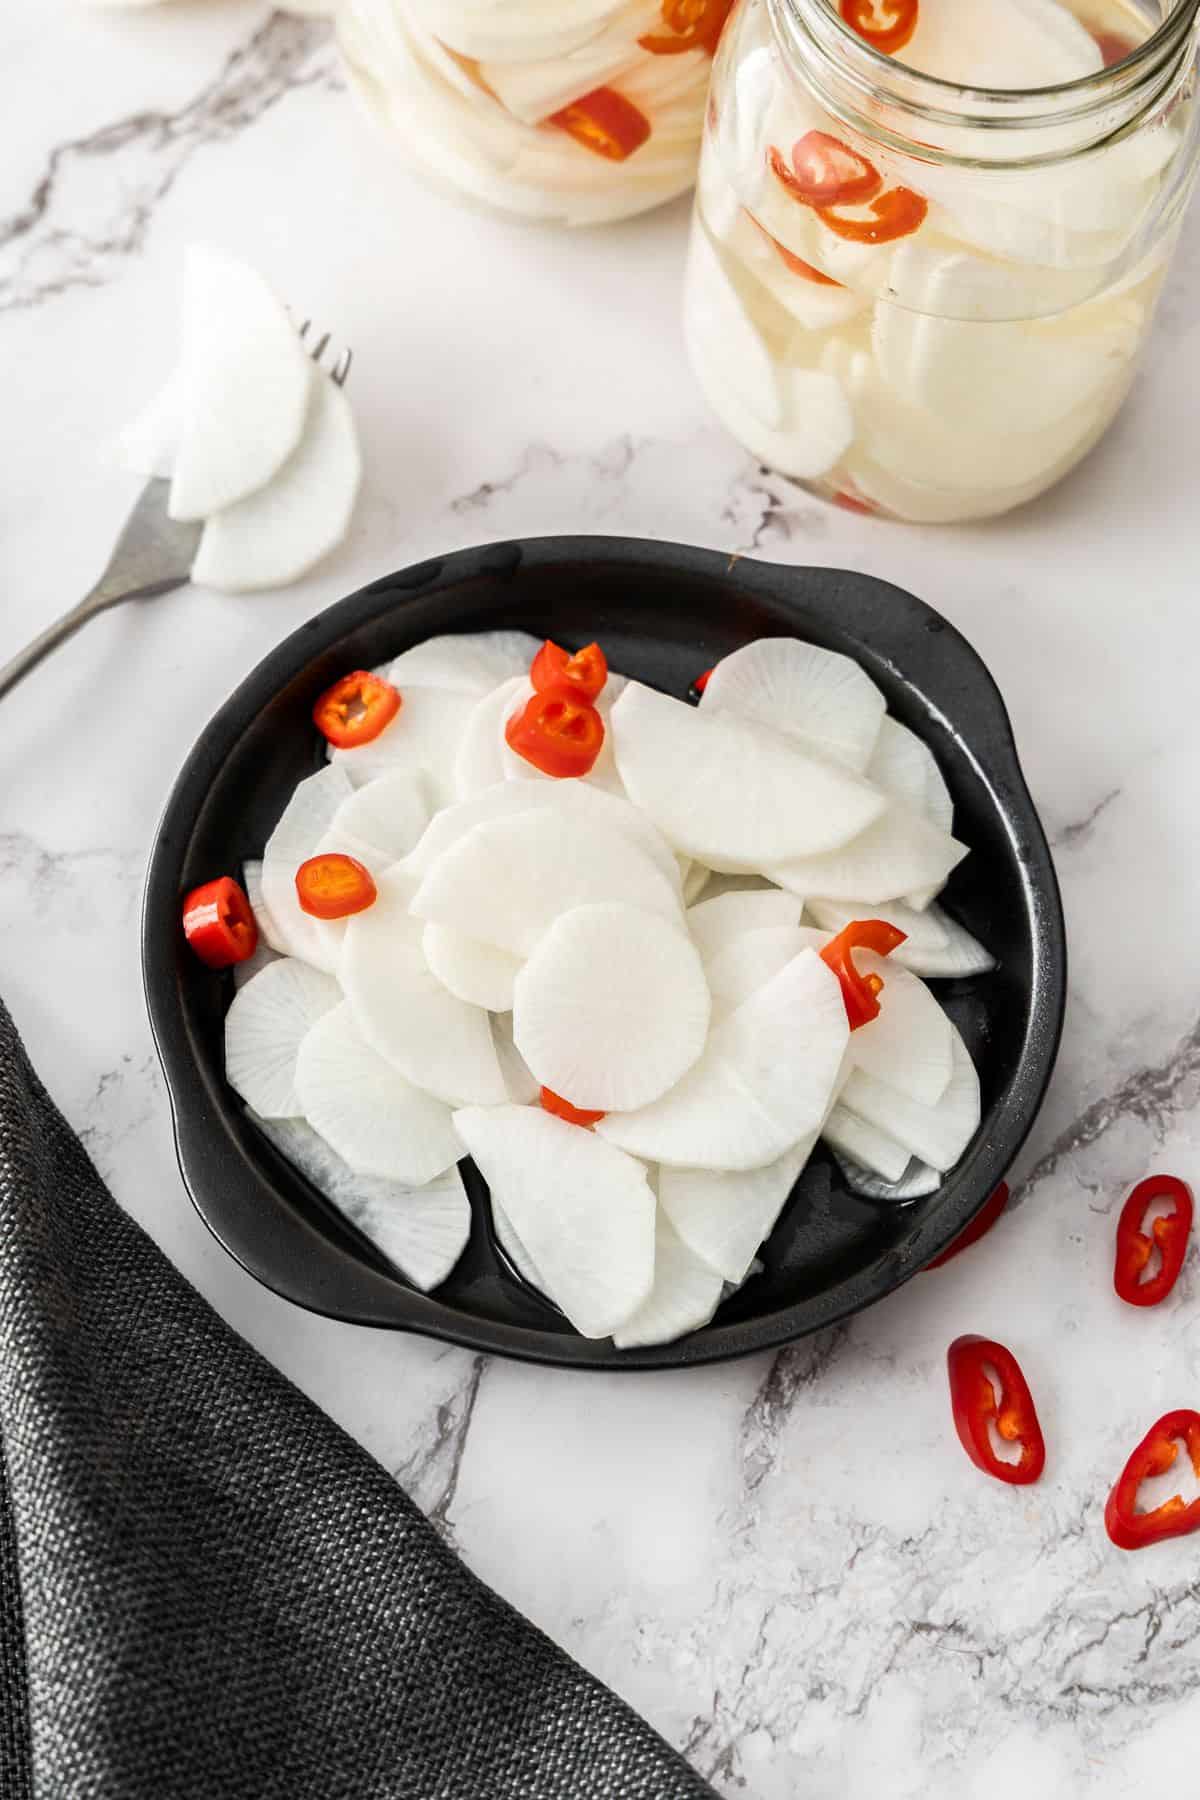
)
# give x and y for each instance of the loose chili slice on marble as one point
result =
(356, 709)
(604, 122)
(887, 25)
(1130, 1529)
(1168, 1235)
(976, 1408)
(333, 886)
(979, 1227)
(557, 734)
(825, 171)
(860, 992)
(583, 674)
(694, 25)
(562, 1109)
(896, 214)
(219, 923)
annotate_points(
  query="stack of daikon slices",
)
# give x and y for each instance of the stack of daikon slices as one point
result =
(643, 943)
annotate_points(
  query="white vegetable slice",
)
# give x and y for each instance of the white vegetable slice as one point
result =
(149, 444)
(764, 1083)
(939, 1134)
(909, 1045)
(721, 336)
(513, 1248)
(386, 817)
(422, 1231)
(425, 734)
(264, 1028)
(479, 973)
(480, 762)
(935, 944)
(434, 1039)
(723, 1218)
(475, 663)
(716, 923)
(843, 1130)
(583, 1210)
(523, 1090)
(685, 1295)
(281, 531)
(917, 1181)
(899, 764)
(747, 964)
(506, 883)
(305, 820)
(962, 955)
(899, 852)
(822, 699)
(612, 1007)
(248, 385)
(378, 1122)
(729, 791)
(252, 880)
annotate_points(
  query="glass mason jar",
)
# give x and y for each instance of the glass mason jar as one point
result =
(925, 300)
(578, 111)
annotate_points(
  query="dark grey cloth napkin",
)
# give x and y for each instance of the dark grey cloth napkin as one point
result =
(208, 1589)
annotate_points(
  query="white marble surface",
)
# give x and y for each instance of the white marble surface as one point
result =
(788, 1564)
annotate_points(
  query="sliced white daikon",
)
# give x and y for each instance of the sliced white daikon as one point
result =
(612, 1007)
(685, 1295)
(843, 1130)
(264, 1028)
(247, 381)
(513, 1248)
(434, 1039)
(961, 956)
(386, 817)
(422, 1231)
(475, 663)
(1026, 44)
(149, 444)
(729, 791)
(721, 921)
(822, 699)
(899, 852)
(723, 1218)
(480, 764)
(748, 963)
(425, 734)
(506, 883)
(583, 1210)
(252, 880)
(917, 1181)
(935, 944)
(939, 1134)
(765, 1080)
(279, 532)
(479, 973)
(899, 764)
(909, 1044)
(523, 1090)
(718, 327)
(306, 819)
(376, 1120)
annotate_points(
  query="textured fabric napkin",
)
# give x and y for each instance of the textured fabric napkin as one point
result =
(206, 1588)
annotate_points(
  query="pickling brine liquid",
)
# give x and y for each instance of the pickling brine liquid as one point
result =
(889, 311)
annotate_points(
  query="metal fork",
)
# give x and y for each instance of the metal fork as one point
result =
(153, 555)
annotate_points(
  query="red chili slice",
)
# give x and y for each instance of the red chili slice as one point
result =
(849, 501)
(886, 25)
(701, 682)
(979, 1227)
(1169, 1234)
(826, 172)
(1130, 1529)
(696, 25)
(334, 886)
(896, 214)
(558, 735)
(860, 992)
(604, 122)
(562, 1109)
(1113, 47)
(583, 674)
(973, 1399)
(219, 923)
(789, 259)
(356, 709)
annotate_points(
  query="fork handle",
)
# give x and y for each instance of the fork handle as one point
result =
(25, 660)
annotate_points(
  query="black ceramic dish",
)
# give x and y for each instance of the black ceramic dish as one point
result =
(663, 613)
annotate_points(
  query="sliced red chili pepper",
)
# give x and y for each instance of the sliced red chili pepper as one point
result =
(698, 686)
(695, 24)
(1169, 1234)
(604, 122)
(558, 735)
(979, 1227)
(789, 259)
(896, 214)
(860, 992)
(849, 501)
(975, 1406)
(1113, 47)
(356, 709)
(1130, 1529)
(886, 25)
(562, 1109)
(583, 674)
(219, 923)
(333, 886)
(826, 172)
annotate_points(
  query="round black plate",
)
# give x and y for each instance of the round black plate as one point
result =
(663, 613)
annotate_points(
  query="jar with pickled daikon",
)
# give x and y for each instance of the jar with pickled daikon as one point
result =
(930, 234)
(571, 110)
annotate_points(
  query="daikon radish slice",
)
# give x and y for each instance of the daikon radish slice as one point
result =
(843, 1130)
(479, 973)
(475, 663)
(304, 823)
(725, 919)
(917, 1181)
(723, 1218)
(822, 699)
(935, 944)
(479, 764)
(939, 1134)
(523, 1090)
(386, 817)
(909, 1045)
(264, 1028)
(685, 1295)
(899, 852)
(748, 963)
